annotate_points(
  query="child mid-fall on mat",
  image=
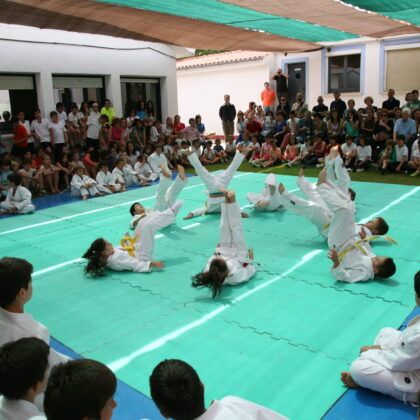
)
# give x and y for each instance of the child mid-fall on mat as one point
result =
(392, 365)
(232, 262)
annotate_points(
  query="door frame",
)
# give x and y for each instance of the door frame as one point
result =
(283, 65)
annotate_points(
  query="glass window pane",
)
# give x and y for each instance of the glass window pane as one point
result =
(353, 73)
(336, 73)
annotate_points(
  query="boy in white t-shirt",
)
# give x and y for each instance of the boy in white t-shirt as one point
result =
(58, 134)
(364, 155)
(40, 128)
(349, 150)
(74, 125)
(23, 376)
(187, 401)
(401, 156)
(62, 115)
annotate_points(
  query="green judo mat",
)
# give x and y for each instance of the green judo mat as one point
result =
(280, 340)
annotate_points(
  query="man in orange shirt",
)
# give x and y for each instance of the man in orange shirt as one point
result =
(268, 96)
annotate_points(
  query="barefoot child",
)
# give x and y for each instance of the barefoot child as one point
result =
(392, 365)
(105, 181)
(213, 183)
(83, 186)
(101, 254)
(232, 262)
(269, 199)
(18, 199)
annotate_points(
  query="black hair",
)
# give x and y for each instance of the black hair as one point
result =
(15, 178)
(58, 104)
(214, 278)
(382, 226)
(78, 389)
(133, 208)
(352, 194)
(53, 114)
(417, 283)
(104, 117)
(15, 120)
(95, 265)
(15, 274)
(387, 268)
(176, 389)
(103, 163)
(23, 363)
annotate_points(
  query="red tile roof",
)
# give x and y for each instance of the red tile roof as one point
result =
(221, 58)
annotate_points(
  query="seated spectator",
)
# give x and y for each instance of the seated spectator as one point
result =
(300, 107)
(178, 126)
(220, 151)
(333, 142)
(191, 132)
(291, 155)
(168, 150)
(168, 128)
(138, 134)
(89, 162)
(401, 156)
(187, 401)
(184, 151)
(104, 132)
(265, 154)
(65, 171)
(105, 181)
(143, 170)
(23, 376)
(115, 132)
(280, 128)
(397, 114)
(304, 128)
(230, 147)
(29, 174)
(259, 114)
(253, 127)
(335, 125)
(338, 105)
(240, 125)
(130, 175)
(405, 126)
(18, 199)
(196, 146)
(381, 133)
(321, 109)
(415, 102)
(155, 132)
(275, 156)
(157, 159)
(351, 124)
(108, 110)
(80, 389)
(125, 131)
(209, 156)
(83, 186)
(255, 148)
(319, 126)
(387, 157)
(250, 112)
(315, 156)
(283, 107)
(349, 151)
(364, 155)
(48, 176)
(391, 103)
(292, 123)
(390, 365)
(268, 124)
(368, 123)
(368, 101)
(414, 162)
(350, 107)
(132, 116)
(142, 113)
(132, 153)
(200, 126)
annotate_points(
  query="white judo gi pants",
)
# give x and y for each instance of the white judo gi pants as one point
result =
(168, 191)
(146, 229)
(213, 182)
(8, 205)
(92, 191)
(343, 226)
(371, 375)
(101, 188)
(231, 231)
(337, 173)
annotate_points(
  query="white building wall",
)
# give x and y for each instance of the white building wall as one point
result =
(201, 90)
(32, 50)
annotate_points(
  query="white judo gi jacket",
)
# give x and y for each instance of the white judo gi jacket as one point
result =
(21, 200)
(156, 160)
(121, 260)
(18, 410)
(274, 200)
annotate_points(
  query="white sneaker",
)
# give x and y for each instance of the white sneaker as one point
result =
(176, 206)
(360, 170)
(349, 170)
(319, 165)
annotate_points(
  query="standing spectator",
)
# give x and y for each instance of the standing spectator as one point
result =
(281, 84)
(408, 99)
(75, 126)
(227, 114)
(27, 125)
(200, 126)
(150, 109)
(108, 110)
(59, 107)
(299, 106)
(321, 108)
(6, 129)
(268, 97)
(283, 107)
(20, 139)
(142, 113)
(405, 126)
(338, 104)
(391, 103)
(93, 127)
(41, 130)
(368, 101)
(58, 135)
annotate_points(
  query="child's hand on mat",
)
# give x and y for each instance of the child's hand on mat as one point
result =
(366, 348)
(157, 264)
(333, 256)
(362, 233)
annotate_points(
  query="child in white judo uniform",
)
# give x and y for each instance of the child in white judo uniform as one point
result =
(18, 199)
(188, 402)
(232, 262)
(353, 259)
(101, 254)
(392, 365)
(214, 183)
(269, 199)
(105, 181)
(143, 169)
(83, 186)
(157, 159)
(23, 376)
(166, 194)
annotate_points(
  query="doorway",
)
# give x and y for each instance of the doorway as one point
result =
(297, 80)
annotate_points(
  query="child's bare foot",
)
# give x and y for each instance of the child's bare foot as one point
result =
(301, 171)
(188, 216)
(165, 171)
(244, 215)
(84, 197)
(322, 177)
(281, 188)
(181, 172)
(348, 380)
(333, 152)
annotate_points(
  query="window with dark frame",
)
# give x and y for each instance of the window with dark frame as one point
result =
(344, 73)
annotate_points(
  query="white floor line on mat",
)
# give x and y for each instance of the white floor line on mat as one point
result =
(49, 222)
(160, 342)
(124, 361)
(76, 260)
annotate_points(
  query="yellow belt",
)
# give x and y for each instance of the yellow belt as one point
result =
(127, 243)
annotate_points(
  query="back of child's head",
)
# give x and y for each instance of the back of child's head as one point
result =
(352, 194)
(95, 265)
(176, 389)
(209, 143)
(133, 208)
(103, 165)
(15, 274)
(15, 178)
(381, 226)
(79, 389)
(386, 269)
(213, 278)
(23, 364)
(417, 284)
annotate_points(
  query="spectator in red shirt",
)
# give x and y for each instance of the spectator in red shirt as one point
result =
(20, 139)
(268, 97)
(178, 125)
